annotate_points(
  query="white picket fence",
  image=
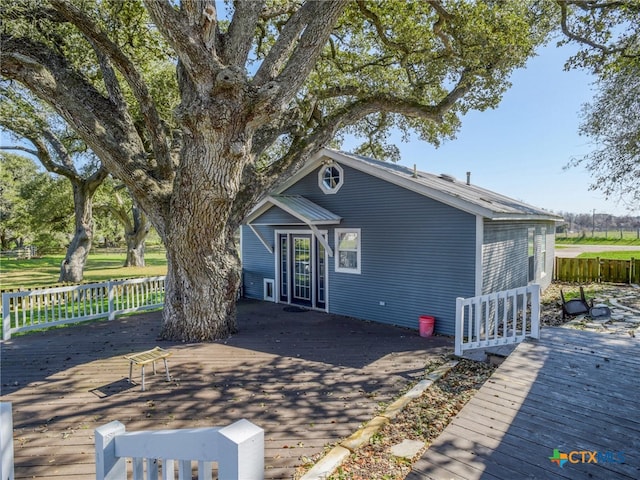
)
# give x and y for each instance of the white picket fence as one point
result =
(47, 307)
(497, 319)
(20, 253)
(238, 449)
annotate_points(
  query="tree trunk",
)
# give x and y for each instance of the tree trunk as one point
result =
(72, 268)
(135, 253)
(136, 239)
(203, 263)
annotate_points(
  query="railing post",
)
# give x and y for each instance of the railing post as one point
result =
(6, 317)
(241, 451)
(108, 465)
(6, 441)
(111, 292)
(535, 310)
(459, 325)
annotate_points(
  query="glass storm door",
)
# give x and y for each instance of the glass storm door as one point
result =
(284, 267)
(302, 269)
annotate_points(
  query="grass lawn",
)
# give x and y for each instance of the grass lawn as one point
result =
(101, 266)
(626, 255)
(613, 238)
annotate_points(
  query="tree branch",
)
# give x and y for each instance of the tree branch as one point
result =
(239, 37)
(109, 133)
(126, 67)
(19, 148)
(284, 45)
(20, 117)
(307, 50)
(380, 29)
(110, 80)
(579, 38)
(349, 114)
(174, 25)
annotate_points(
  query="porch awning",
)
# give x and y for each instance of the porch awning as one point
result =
(301, 208)
(304, 209)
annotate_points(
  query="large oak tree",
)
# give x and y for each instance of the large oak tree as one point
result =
(262, 86)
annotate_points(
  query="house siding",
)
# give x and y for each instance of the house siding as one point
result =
(505, 255)
(257, 262)
(417, 254)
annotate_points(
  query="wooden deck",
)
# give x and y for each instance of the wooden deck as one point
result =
(571, 390)
(307, 378)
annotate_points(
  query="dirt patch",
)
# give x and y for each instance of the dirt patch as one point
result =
(423, 420)
(551, 310)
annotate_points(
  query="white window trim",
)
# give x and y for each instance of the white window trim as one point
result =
(323, 187)
(543, 252)
(269, 284)
(336, 255)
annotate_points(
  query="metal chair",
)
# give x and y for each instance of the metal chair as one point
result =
(575, 306)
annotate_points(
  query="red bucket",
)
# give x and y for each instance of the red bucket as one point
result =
(427, 325)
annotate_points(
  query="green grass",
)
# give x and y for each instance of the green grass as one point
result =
(626, 255)
(612, 238)
(101, 266)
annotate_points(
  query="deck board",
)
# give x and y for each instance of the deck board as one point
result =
(570, 390)
(308, 379)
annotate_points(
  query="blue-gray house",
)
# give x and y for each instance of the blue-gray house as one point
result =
(373, 240)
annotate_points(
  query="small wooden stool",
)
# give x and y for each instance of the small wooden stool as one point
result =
(149, 356)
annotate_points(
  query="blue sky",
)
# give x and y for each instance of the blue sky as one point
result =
(520, 148)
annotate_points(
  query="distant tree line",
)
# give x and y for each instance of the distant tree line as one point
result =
(37, 208)
(590, 223)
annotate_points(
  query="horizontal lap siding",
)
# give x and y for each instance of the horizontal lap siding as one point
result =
(505, 260)
(417, 253)
(257, 262)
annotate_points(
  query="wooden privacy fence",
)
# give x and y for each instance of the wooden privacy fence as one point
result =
(47, 307)
(585, 270)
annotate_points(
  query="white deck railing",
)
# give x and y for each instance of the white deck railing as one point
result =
(238, 449)
(497, 319)
(47, 307)
(6, 441)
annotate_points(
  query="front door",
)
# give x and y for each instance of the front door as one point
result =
(301, 270)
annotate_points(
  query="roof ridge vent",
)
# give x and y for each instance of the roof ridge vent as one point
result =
(448, 178)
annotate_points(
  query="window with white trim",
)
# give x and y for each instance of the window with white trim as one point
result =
(531, 253)
(331, 178)
(348, 248)
(543, 251)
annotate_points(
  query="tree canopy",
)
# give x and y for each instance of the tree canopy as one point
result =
(608, 33)
(260, 89)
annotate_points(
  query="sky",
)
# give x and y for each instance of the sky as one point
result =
(520, 148)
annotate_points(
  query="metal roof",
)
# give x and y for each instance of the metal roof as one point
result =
(304, 209)
(445, 188)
